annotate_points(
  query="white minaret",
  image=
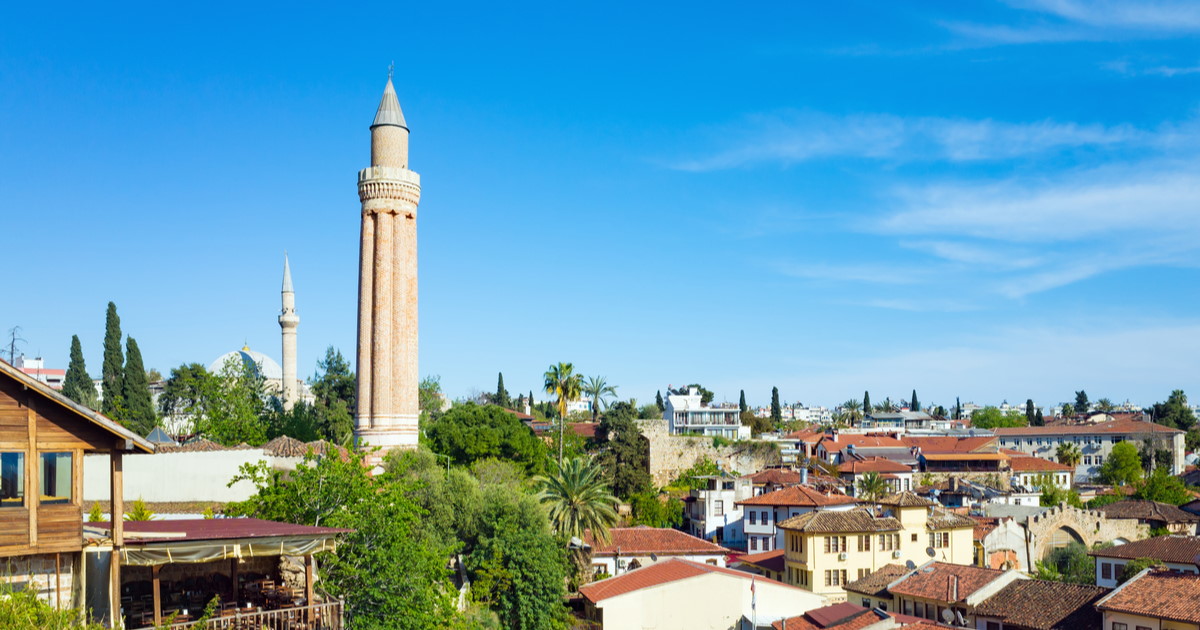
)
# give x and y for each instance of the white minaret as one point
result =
(289, 321)
(387, 290)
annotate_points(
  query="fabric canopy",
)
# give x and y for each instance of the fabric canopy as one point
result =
(196, 551)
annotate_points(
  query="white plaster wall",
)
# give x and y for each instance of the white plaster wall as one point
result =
(202, 476)
(714, 601)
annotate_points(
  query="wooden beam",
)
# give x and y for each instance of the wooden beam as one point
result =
(233, 577)
(117, 522)
(157, 590)
(58, 581)
(308, 586)
(77, 477)
(32, 492)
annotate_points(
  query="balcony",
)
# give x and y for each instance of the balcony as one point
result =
(324, 616)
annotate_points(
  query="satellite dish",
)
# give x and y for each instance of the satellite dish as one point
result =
(971, 433)
(958, 618)
(1196, 561)
(653, 557)
(930, 552)
(948, 616)
(910, 565)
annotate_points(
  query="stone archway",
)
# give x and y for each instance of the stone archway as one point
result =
(1087, 526)
(1061, 537)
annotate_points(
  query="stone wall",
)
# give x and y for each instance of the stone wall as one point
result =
(673, 454)
(999, 480)
(37, 573)
(1089, 526)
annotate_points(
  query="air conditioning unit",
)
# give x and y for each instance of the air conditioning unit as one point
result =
(896, 553)
(842, 556)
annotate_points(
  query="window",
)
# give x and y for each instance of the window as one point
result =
(12, 479)
(727, 485)
(1099, 459)
(862, 573)
(56, 478)
(1142, 627)
(864, 543)
(1119, 626)
(1087, 460)
(914, 538)
(718, 508)
(753, 543)
(835, 544)
(939, 540)
(993, 625)
(866, 603)
(835, 577)
(712, 562)
(1105, 571)
(803, 578)
(753, 517)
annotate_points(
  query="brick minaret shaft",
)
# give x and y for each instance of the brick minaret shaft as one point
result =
(288, 322)
(387, 288)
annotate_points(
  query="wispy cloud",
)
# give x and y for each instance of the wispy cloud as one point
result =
(868, 273)
(1049, 21)
(792, 137)
(1129, 68)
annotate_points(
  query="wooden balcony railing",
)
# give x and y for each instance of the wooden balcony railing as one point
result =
(325, 616)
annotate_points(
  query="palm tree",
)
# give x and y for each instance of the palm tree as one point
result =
(563, 382)
(598, 389)
(1104, 405)
(872, 487)
(578, 500)
(853, 410)
(887, 405)
(1068, 454)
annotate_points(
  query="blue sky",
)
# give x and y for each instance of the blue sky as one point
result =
(993, 200)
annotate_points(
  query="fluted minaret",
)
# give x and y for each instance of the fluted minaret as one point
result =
(289, 321)
(387, 289)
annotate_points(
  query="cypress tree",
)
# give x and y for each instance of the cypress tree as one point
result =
(867, 403)
(662, 406)
(742, 402)
(957, 408)
(776, 410)
(77, 385)
(913, 404)
(530, 401)
(114, 365)
(502, 398)
(1038, 419)
(1029, 416)
(139, 410)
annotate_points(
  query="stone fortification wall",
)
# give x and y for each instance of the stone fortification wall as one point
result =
(38, 573)
(673, 454)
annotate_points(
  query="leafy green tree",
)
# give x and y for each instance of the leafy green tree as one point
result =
(624, 452)
(913, 404)
(1175, 412)
(1068, 454)
(990, 418)
(598, 389)
(470, 432)
(229, 407)
(650, 411)
(113, 368)
(706, 396)
(658, 401)
(940, 411)
(139, 511)
(742, 406)
(872, 487)
(757, 425)
(1068, 410)
(429, 397)
(335, 394)
(776, 410)
(693, 477)
(1134, 567)
(518, 566)
(390, 569)
(1123, 465)
(139, 409)
(1070, 564)
(1053, 495)
(77, 385)
(1163, 487)
(1081, 402)
(650, 509)
(502, 398)
(562, 382)
(578, 500)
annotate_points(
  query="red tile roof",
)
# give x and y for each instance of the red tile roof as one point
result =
(951, 444)
(1180, 549)
(583, 429)
(873, 464)
(876, 583)
(657, 540)
(1116, 427)
(659, 573)
(1147, 511)
(1158, 594)
(215, 529)
(802, 496)
(843, 616)
(1037, 464)
(1045, 605)
(769, 560)
(935, 582)
(859, 441)
(777, 476)
(984, 525)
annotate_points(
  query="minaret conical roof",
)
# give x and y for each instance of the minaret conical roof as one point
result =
(389, 109)
(287, 275)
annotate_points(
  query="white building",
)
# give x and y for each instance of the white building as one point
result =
(631, 548)
(685, 414)
(1095, 441)
(712, 511)
(1028, 473)
(37, 369)
(1177, 553)
(762, 513)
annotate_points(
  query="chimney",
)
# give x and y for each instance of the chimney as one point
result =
(952, 590)
(804, 475)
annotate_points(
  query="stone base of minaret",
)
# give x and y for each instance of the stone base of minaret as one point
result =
(377, 443)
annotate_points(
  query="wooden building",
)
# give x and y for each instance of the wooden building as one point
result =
(43, 437)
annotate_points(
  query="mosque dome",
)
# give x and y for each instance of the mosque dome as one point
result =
(257, 361)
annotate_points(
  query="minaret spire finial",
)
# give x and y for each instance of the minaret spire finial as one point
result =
(391, 69)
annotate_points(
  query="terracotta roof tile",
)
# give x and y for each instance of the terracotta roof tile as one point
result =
(859, 441)
(876, 583)
(777, 476)
(1116, 427)
(857, 520)
(905, 499)
(934, 582)
(801, 496)
(843, 616)
(1045, 605)
(944, 519)
(658, 573)
(1147, 511)
(951, 444)
(1037, 464)
(984, 525)
(657, 540)
(1159, 594)
(769, 560)
(1181, 549)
